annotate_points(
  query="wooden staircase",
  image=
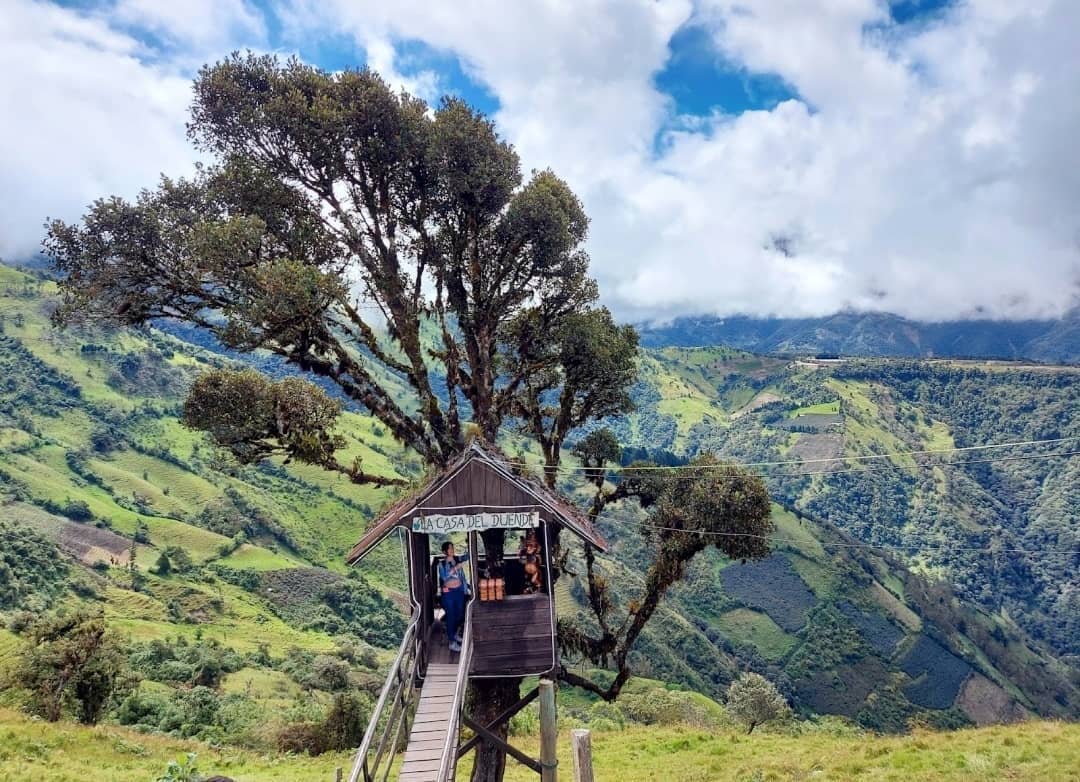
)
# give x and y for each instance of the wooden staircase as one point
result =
(431, 725)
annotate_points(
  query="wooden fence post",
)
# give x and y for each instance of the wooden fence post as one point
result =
(337, 774)
(581, 741)
(549, 729)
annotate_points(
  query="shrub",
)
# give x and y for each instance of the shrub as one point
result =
(754, 700)
(344, 725)
(301, 737)
(204, 662)
(329, 673)
(72, 663)
(30, 567)
(342, 728)
(77, 510)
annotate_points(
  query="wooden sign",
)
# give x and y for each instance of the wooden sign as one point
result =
(467, 522)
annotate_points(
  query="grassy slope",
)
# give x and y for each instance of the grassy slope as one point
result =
(1035, 750)
(690, 381)
(324, 515)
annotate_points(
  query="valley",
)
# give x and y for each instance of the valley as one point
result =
(883, 601)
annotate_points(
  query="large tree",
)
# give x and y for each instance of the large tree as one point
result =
(377, 243)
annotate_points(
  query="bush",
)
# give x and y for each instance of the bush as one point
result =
(301, 737)
(754, 700)
(77, 510)
(342, 728)
(31, 567)
(329, 673)
(659, 706)
(72, 664)
(180, 662)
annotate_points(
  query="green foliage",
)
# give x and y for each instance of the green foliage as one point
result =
(182, 770)
(72, 664)
(199, 712)
(253, 417)
(163, 566)
(754, 700)
(32, 572)
(200, 663)
(342, 728)
(715, 505)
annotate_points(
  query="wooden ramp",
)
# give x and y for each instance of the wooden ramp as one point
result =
(431, 724)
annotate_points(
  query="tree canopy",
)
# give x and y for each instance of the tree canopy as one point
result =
(360, 234)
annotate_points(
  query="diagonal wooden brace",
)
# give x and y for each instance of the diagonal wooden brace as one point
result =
(506, 715)
(516, 753)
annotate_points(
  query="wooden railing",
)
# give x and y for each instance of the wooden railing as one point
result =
(448, 766)
(392, 711)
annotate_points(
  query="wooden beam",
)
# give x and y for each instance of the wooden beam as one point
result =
(513, 751)
(549, 729)
(505, 716)
(581, 741)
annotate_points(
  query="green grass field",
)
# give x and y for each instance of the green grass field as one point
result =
(744, 626)
(1045, 751)
(825, 408)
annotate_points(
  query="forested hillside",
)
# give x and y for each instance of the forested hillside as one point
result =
(998, 523)
(230, 584)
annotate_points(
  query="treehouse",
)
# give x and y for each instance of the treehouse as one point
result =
(511, 524)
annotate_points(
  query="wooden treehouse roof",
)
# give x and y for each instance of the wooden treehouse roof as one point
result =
(480, 478)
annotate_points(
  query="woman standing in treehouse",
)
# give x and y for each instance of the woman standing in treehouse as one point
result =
(454, 589)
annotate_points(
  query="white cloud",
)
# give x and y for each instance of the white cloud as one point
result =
(382, 58)
(930, 171)
(84, 117)
(199, 26)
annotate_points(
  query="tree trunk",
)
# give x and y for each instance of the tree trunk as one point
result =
(488, 699)
(494, 548)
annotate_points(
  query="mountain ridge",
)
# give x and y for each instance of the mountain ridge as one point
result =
(877, 334)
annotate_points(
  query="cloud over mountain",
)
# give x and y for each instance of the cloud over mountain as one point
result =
(924, 166)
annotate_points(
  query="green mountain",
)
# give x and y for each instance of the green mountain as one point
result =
(94, 464)
(878, 334)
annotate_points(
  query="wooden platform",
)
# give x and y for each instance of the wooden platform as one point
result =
(430, 725)
(438, 646)
(513, 637)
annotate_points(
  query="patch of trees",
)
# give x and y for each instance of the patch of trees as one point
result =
(234, 514)
(203, 662)
(937, 673)
(32, 570)
(772, 586)
(29, 384)
(316, 599)
(72, 665)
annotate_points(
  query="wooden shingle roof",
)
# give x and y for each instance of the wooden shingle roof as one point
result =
(478, 478)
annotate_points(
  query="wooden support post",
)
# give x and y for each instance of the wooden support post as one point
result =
(581, 741)
(337, 774)
(549, 729)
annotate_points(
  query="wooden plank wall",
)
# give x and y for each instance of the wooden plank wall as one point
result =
(513, 637)
(478, 487)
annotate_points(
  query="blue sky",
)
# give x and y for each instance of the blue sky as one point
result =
(918, 155)
(698, 79)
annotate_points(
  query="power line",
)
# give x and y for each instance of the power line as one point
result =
(928, 465)
(828, 544)
(891, 468)
(787, 462)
